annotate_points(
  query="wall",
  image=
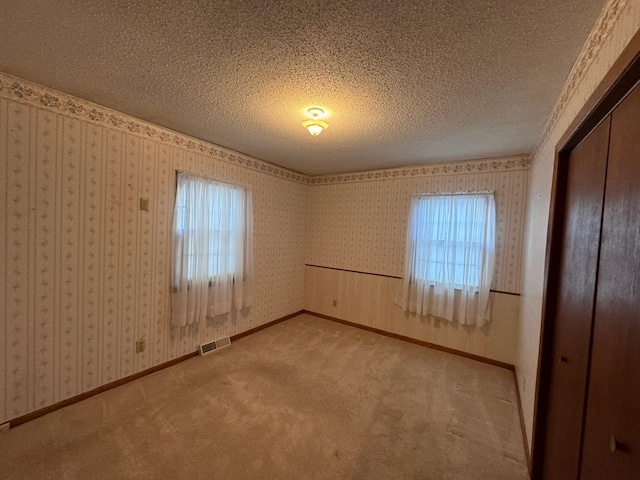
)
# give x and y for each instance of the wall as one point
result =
(85, 272)
(358, 221)
(617, 24)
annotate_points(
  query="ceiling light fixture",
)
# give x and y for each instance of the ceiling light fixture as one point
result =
(315, 125)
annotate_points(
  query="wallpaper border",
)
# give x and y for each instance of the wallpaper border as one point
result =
(500, 164)
(598, 36)
(23, 91)
(39, 96)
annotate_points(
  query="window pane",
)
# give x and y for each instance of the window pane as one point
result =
(449, 232)
(210, 221)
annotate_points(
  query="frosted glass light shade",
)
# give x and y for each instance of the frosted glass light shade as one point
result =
(315, 127)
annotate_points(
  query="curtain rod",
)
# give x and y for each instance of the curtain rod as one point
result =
(444, 194)
(213, 178)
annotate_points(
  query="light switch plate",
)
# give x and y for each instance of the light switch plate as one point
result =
(144, 204)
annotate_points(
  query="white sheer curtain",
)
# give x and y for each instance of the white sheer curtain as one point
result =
(450, 257)
(212, 249)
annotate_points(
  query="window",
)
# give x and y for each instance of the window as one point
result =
(210, 229)
(450, 256)
(212, 242)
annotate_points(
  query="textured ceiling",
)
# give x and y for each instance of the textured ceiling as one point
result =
(404, 82)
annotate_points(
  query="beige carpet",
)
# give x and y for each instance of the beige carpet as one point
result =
(307, 398)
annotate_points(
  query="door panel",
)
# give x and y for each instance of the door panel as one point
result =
(613, 401)
(576, 289)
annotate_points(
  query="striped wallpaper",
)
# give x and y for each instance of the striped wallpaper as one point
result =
(86, 273)
(616, 26)
(361, 226)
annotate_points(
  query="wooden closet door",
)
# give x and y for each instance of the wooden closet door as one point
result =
(574, 313)
(611, 448)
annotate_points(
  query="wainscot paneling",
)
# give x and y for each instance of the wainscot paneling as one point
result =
(368, 300)
(358, 222)
(85, 272)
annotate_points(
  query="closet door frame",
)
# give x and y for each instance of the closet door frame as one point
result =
(620, 79)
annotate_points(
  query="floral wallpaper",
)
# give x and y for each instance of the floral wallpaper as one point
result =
(358, 221)
(453, 168)
(85, 272)
(618, 23)
(20, 90)
(598, 37)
